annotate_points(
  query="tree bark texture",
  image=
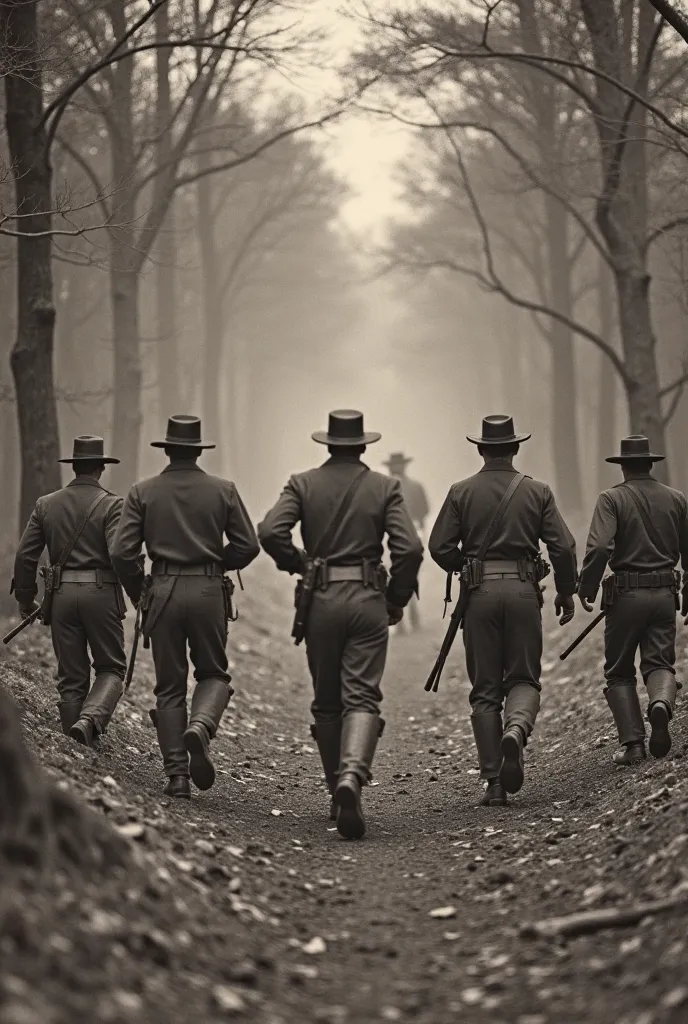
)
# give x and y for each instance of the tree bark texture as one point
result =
(32, 354)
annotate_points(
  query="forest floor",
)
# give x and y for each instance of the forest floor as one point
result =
(245, 904)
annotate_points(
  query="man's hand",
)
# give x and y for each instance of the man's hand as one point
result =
(27, 609)
(394, 614)
(586, 602)
(564, 606)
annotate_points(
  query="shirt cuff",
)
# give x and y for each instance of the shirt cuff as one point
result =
(566, 588)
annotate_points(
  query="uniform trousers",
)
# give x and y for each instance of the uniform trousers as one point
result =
(346, 642)
(87, 617)
(502, 635)
(642, 618)
(188, 612)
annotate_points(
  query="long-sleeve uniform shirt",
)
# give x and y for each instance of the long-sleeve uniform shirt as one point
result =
(54, 520)
(182, 516)
(378, 509)
(532, 516)
(618, 537)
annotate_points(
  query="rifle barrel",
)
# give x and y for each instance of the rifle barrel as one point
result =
(581, 636)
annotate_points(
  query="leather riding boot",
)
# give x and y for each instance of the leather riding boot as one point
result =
(210, 698)
(328, 735)
(170, 724)
(179, 787)
(625, 707)
(98, 708)
(69, 714)
(520, 711)
(360, 733)
(487, 732)
(494, 795)
(661, 692)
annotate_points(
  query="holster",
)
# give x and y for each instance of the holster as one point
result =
(608, 593)
(231, 615)
(144, 604)
(52, 576)
(303, 598)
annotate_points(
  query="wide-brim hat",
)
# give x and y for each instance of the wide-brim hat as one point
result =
(636, 446)
(88, 448)
(498, 430)
(345, 430)
(397, 459)
(183, 432)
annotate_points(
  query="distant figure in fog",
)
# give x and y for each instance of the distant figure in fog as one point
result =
(83, 602)
(417, 504)
(344, 600)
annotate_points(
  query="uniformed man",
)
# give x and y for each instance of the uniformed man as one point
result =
(182, 516)
(502, 627)
(351, 508)
(639, 527)
(417, 504)
(83, 602)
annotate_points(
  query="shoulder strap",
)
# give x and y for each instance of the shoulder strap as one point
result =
(496, 520)
(335, 522)
(650, 528)
(69, 546)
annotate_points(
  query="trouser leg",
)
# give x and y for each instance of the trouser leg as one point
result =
(70, 646)
(482, 638)
(101, 613)
(168, 645)
(657, 658)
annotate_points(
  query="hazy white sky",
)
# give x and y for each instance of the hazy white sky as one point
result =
(365, 151)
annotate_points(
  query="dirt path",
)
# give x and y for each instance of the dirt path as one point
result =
(247, 904)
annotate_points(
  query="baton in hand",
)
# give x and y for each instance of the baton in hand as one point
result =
(581, 636)
(22, 625)
(132, 658)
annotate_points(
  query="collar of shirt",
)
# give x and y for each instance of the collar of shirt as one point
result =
(639, 476)
(498, 466)
(334, 459)
(84, 481)
(182, 464)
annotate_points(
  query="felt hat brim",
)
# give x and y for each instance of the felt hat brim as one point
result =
(198, 445)
(647, 457)
(92, 458)
(514, 439)
(322, 437)
(397, 462)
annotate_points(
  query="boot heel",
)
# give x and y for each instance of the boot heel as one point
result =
(660, 738)
(200, 766)
(511, 771)
(350, 821)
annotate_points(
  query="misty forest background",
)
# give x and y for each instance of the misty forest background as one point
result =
(172, 239)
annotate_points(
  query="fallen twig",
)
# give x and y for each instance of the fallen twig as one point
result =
(586, 922)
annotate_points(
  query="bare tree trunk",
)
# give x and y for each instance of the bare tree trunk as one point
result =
(169, 401)
(124, 277)
(565, 440)
(32, 355)
(607, 404)
(212, 319)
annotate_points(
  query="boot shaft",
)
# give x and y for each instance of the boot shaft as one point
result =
(360, 733)
(208, 703)
(624, 705)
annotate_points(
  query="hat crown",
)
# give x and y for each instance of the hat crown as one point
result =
(345, 424)
(88, 446)
(184, 429)
(498, 428)
(635, 444)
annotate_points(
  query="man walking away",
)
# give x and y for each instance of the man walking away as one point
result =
(83, 601)
(182, 516)
(639, 527)
(344, 600)
(417, 504)
(489, 530)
